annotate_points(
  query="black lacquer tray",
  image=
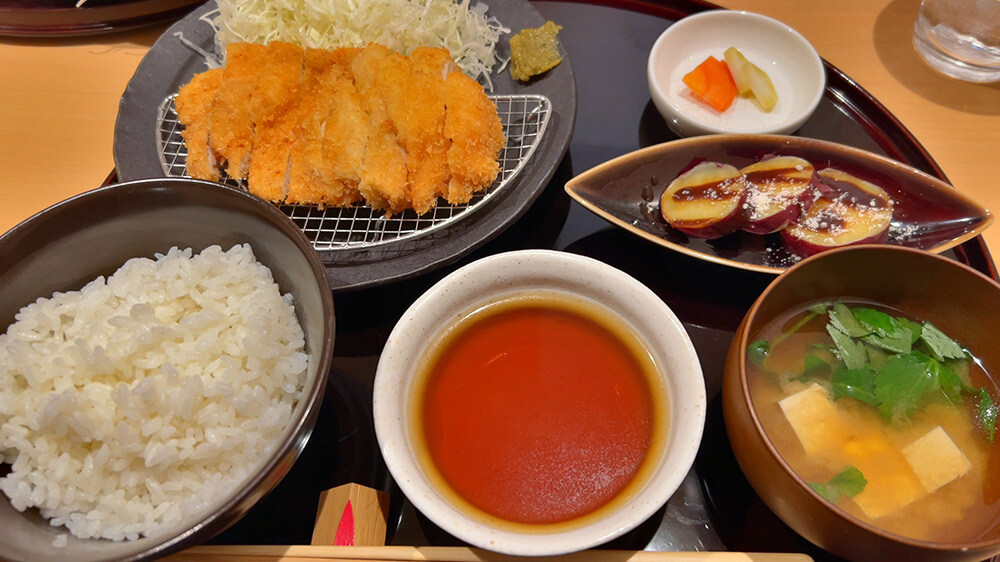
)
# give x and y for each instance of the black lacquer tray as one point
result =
(715, 509)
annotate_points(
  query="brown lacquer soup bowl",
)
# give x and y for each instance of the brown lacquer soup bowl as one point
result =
(859, 403)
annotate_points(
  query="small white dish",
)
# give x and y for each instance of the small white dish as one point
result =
(792, 63)
(510, 273)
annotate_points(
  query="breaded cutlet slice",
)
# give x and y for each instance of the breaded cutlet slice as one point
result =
(194, 110)
(421, 129)
(344, 136)
(231, 130)
(306, 181)
(383, 168)
(273, 106)
(473, 126)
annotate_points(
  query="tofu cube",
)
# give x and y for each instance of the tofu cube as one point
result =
(936, 459)
(815, 419)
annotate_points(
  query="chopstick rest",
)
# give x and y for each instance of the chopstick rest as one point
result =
(351, 515)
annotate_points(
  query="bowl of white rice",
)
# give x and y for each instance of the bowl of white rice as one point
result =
(164, 350)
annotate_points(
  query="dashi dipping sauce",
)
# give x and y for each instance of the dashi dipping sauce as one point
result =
(883, 415)
(539, 409)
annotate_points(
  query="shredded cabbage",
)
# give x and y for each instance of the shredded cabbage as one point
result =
(403, 25)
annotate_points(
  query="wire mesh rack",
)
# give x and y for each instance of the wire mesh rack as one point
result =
(523, 117)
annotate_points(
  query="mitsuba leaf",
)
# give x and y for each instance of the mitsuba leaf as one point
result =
(941, 346)
(914, 327)
(987, 410)
(899, 341)
(822, 351)
(902, 383)
(850, 482)
(852, 353)
(757, 352)
(876, 321)
(961, 368)
(844, 320)
(815, 367)
(952, 385)
(876, 357)
(855, 383)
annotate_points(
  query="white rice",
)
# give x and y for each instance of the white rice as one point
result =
(138, 400)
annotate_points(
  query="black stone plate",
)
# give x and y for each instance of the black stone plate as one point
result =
(169, 64)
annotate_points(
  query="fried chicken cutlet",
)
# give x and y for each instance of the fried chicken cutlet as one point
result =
(422, 128)
(345, 133)
(476, 134)
(194, 103)
(383, 168)
(231, 125)
(331, 128)
(306, 182)
(274, 120)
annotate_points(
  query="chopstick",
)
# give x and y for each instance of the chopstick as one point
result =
(307, 553)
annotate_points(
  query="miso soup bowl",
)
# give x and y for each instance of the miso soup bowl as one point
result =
(505, 275)
(959, 300)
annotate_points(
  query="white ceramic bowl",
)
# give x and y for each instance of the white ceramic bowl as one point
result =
(792, 63)
(501, 275)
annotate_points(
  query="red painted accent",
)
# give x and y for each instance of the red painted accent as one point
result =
(345, 529)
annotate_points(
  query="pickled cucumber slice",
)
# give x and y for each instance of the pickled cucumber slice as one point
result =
(750, 78)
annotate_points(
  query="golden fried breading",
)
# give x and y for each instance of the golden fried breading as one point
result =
(336, 127)
(383, 169)
(231, 130)
(345, 137)
(306, 181)
(476, 134)
(274, 117)
(194, 111)
(422, 128)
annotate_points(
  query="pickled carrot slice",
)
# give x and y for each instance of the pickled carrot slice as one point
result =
(712, 82)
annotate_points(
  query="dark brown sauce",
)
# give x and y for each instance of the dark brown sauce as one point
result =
(716, 191)
(852, 195)
(767, 177)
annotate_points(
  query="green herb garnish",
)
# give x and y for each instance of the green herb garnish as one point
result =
(900, 341)
(757, 351)
(841, 317)
(851, 352)
(941, 346)
(889, 362)
(902, 383)
(850, 482)
(857, 383)
(987, 410)
(815, 367)
(914, 328)
(952, 385)
(875, 320)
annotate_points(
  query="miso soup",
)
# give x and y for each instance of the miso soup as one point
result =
(883, 415)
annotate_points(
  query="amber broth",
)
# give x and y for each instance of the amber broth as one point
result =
(962, 510)
(539, 412)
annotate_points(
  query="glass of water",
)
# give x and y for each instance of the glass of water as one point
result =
(960, 38)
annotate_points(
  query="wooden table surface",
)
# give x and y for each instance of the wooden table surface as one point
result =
(59, 99)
